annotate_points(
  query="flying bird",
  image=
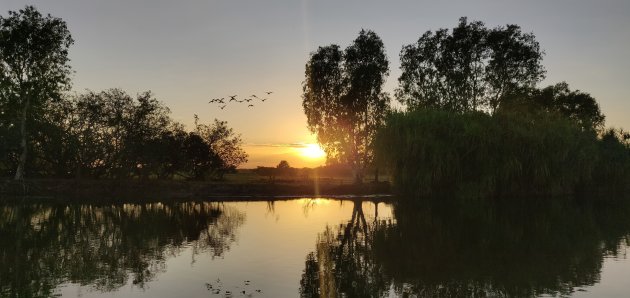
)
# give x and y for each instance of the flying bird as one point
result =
(222, 107)
(269, 92)
(249, 106)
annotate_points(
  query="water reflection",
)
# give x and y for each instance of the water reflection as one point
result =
(442, 250)
(44, 246)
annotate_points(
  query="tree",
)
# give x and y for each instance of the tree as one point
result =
(469, 68)
(224, 143)
(284, 169)
(33, 69)
(578, 106)
(343, 99)
(283, 165)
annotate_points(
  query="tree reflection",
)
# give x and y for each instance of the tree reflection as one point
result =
(442, 250)
(340, 265)
(104, 246)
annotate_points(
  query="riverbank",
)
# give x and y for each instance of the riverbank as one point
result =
(73, 190)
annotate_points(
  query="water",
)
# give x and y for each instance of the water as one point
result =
(314, 247)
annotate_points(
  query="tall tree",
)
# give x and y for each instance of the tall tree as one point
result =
(468, 68)
(343, 99)
(33, 68)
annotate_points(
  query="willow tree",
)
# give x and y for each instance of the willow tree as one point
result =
(343, 98)
(470, 67)
(33, 69)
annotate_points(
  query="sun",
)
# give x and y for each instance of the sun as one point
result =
(312, 151)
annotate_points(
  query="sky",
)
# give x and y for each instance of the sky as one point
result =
(187, 52)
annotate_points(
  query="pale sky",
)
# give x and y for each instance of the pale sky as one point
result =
(187, 52)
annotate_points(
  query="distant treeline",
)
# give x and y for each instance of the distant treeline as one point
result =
(111, 134)
(284, 171)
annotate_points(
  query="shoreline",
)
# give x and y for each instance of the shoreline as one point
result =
(81, 191)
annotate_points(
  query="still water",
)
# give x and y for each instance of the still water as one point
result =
(314, 248)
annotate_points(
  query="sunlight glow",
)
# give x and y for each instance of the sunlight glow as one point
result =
(312, 151)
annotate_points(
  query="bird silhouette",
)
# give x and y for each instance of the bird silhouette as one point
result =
(263, 99)
(269, 92)
(222, 107)
(249, 106)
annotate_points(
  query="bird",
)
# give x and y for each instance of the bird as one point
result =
(269, 92)
(222, 107)
(232, 97)
(249, 106)
(254, 95)
(263, 99)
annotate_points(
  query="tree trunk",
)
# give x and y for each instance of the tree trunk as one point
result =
(19, 173)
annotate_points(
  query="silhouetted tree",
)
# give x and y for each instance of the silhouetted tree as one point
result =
(200, 157)
(343, 98)
(284, 169)
(225, 143)
(575, 105)
(33, 70)
(114, 131)
(469, 68)
(283, 165)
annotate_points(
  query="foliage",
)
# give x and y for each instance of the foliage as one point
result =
(224, 143)
(33, 71)
(613, 169)
(433, 152)
(469, 68)
(578, 106)
(343, 98)
(110, 134)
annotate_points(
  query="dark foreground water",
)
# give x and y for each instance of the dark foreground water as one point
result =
(314, 248)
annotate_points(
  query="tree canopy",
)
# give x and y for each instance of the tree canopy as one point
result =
(34, 69)
(468, 68)
(343, 98)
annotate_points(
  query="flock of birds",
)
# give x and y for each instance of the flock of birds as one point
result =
(223, 102)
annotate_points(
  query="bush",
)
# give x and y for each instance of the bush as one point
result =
(433, 152)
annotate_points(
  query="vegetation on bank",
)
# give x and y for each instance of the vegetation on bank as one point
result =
(437, 152)
(46, 132)
(476, 125)
(111, 134)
